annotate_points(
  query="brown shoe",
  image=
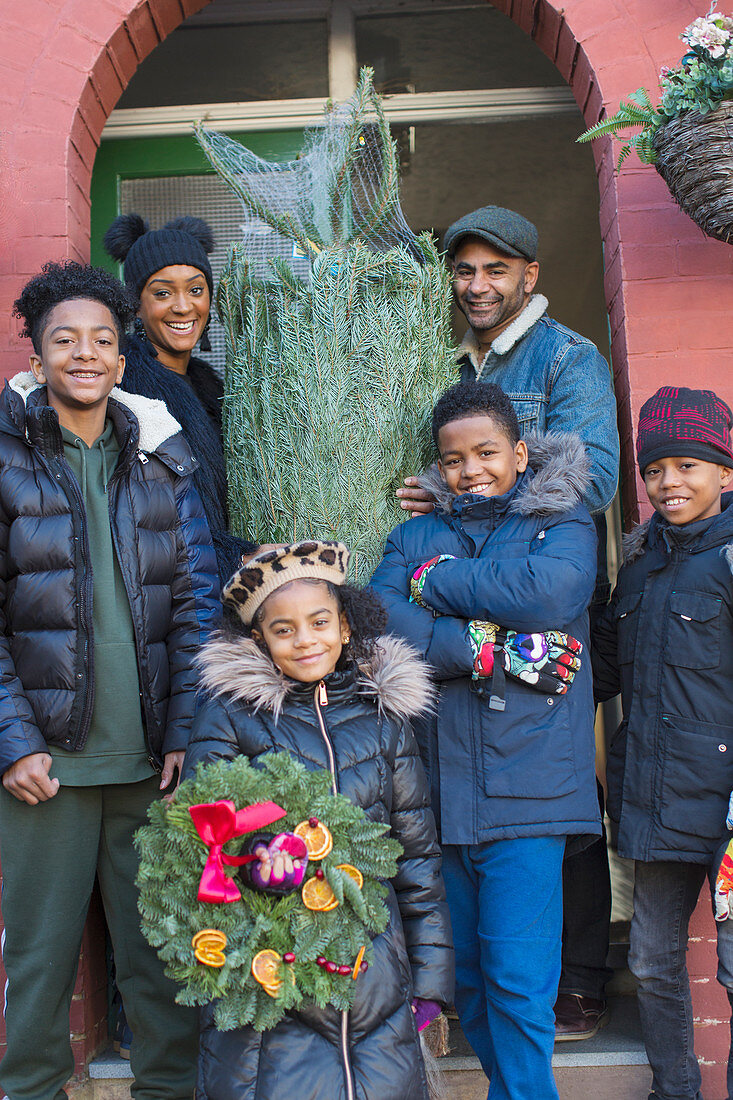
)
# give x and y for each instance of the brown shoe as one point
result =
(578, 1017)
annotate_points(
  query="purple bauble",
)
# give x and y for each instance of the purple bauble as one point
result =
(280, 864)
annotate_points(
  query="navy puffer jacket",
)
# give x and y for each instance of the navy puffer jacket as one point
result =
(166, 558)
(527, 561)
(365, 741)
(666, 643)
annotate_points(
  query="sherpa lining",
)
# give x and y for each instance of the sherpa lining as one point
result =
(234, 666)
(561, 477)
(156, 423)
(536, 307)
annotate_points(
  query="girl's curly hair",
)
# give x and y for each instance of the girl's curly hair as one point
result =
(364, 611)
(63, 282)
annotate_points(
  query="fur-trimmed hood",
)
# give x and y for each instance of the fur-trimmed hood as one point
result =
(155, 422)
(561, 474)
(535, 308)
(636, 541)
(234, 666)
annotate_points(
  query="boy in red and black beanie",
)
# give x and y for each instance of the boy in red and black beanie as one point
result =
(666, 643)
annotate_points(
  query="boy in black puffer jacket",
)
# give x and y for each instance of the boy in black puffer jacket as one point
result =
(107, 587)
(666, 643)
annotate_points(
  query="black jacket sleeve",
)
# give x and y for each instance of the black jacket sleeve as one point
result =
(604, 654)
(419, 883)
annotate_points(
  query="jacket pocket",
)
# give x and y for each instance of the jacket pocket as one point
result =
(528, 410)
(697, 776)
(533, 756)
(693, 638)
(627, 624)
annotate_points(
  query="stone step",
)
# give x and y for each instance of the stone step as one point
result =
(610, 1066)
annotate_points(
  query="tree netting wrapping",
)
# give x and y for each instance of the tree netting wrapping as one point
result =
(330, 378)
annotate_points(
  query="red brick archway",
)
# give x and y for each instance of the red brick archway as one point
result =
(66, 63)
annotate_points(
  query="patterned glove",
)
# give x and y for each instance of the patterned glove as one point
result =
(545, 662)
(729, 818)
(425, 1012)
(421, 574)
(724, 886)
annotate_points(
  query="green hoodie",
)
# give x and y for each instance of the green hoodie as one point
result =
(115, 750)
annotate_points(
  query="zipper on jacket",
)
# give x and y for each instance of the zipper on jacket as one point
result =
(348, 1077)
(320, 699)
(85, 604)
(139, 646)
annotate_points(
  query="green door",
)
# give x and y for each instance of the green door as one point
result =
(163, 177)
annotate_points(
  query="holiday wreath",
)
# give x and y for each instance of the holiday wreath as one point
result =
(261, 919)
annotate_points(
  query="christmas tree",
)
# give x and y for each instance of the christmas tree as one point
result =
(331, 372)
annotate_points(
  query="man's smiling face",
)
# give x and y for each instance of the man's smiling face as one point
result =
(490, 287)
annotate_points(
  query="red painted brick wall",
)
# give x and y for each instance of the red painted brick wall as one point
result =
(66, 62)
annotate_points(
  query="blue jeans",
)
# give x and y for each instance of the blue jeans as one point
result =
(505, 899)
(665, 895)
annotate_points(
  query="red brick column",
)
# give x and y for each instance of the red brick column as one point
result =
(710, 1003)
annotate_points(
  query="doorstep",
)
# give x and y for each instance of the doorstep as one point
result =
(610, 1066)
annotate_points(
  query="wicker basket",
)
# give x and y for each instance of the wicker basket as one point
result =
(695, 160)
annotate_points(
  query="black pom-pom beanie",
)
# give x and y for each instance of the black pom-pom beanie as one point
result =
(143, 251)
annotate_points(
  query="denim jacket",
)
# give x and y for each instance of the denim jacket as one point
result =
(557, 381)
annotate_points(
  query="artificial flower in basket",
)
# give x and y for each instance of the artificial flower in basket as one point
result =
(688, 137)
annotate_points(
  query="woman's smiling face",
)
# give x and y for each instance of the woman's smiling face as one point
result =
(174, 308)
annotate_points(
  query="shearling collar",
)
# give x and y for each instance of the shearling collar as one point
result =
(560, 470)
(535, 308)
(155, 422)
(234, 666)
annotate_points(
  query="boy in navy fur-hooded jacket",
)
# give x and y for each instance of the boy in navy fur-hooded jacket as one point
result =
(666, 643)
(509, 551)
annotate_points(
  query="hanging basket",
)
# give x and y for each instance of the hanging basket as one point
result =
(695, 160)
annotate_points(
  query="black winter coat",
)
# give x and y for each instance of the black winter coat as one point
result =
(363, 737)
(195, 401)
(165, 555)
(666, 643)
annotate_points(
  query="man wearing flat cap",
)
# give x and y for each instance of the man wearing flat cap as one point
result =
(557, 381)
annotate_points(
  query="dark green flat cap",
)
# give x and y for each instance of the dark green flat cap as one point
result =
(502, 228)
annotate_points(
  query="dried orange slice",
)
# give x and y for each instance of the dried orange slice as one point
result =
(265, 970)
(318, 839)
(208, 947)
(318, 895)
(357, 965)
(352, 872)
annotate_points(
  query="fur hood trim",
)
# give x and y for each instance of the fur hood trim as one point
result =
(234, 666)
(156, 423)
(561, 475)
(536, 307)
(634, 544)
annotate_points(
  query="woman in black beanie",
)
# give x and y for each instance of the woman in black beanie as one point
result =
(169, 270)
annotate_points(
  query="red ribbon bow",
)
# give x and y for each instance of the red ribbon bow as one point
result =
(218, 822)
